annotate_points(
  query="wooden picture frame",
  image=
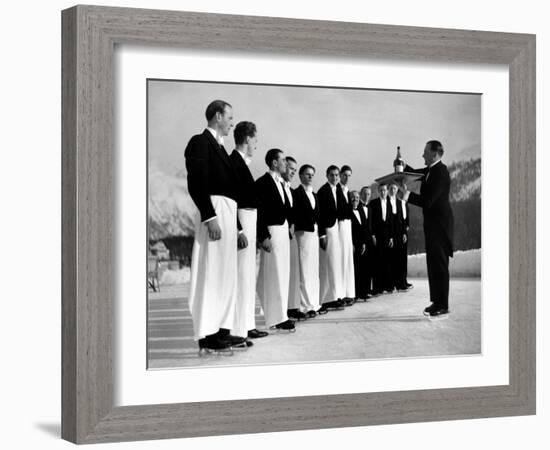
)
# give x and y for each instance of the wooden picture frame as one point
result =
(89, 37)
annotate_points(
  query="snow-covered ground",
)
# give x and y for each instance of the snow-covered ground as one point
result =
(463, 264)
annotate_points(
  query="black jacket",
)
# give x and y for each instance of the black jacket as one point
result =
(400, 223)
(436, 208)
(271, 208)
(383, 230)
(246, 193)
(209, 172)
(344, 204)
(328, 213)
(305, 217)
(360, 231)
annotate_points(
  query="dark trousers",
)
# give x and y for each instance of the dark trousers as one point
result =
(399, 263)
(437, 261)
(382, 267)
(363, 273)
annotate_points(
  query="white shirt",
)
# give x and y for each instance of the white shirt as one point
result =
(288, 191)
(310, 196)
(214, 133)
(404, 208)
(406, 194)
(345, 190)
(384, 204)
(393, 202)
(333, 189)
(277, 178)
(356, 212)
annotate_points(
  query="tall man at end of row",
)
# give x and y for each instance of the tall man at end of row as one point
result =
(438, 224)
(212, 185)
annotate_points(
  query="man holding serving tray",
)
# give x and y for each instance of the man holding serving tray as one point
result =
(438, 223)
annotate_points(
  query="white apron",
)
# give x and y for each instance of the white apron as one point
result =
(213, 289)
(273, 276)
(246, 279)
(330, 267)
(308, 252)
(294, 282)
(348, 275)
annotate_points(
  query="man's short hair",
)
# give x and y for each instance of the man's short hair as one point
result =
(217, 106)
(291, 159)
(344, 168)
(383, 183)
(366, 187)
(304, 168)
(331, 168)
(272, 155)
(242, 131)
(436, 146)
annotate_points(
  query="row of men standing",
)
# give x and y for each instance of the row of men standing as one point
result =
(358, 241)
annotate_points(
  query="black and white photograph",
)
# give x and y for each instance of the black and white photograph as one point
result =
(300, 224)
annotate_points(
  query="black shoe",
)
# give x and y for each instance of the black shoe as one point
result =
(234, 341)
(322, 310)
(427, 311)
(348, 301)
(256, 334)
(296, 314)
(213, 343)
(336, 304)
(287, 325)
(248, 342)
(311, 314)
(409, 285)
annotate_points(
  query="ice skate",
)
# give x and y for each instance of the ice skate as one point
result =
(296, 314)
(334, 305)
(287, 325)
(214, 346)
(237, 342)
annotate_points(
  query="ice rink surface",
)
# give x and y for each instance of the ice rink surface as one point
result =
(388, 326)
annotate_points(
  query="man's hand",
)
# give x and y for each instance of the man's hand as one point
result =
(323, 243)
(390, 244)
(214, 230)
(404, 239)
(363, 249)
(266, 245)
(242, 241)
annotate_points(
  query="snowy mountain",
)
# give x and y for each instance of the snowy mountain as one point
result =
(465, 179)
(171, 209)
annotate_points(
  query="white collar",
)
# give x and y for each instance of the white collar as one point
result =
(275, 175)
(307, 188)
(247, 160)
(219, 139)
(433, 164)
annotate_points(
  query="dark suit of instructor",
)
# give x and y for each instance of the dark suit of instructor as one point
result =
(438, 224)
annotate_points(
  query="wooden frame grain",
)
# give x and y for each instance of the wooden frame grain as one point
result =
(89, 34)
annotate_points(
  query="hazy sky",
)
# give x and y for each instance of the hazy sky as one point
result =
(318, 126)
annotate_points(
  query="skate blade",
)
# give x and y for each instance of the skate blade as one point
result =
(281, 330)
(240, 347)
(206, 352)
(438, 318)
